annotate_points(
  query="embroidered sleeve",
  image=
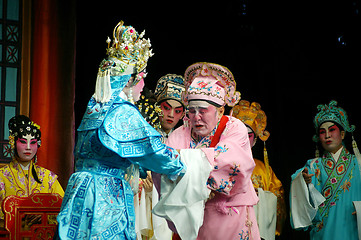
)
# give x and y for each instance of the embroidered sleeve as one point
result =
(233, 162)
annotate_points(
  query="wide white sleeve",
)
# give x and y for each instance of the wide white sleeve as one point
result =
(305, 200)
(182, 201)
(266, 213)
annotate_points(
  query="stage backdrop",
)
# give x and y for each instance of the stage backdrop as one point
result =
(53, 83)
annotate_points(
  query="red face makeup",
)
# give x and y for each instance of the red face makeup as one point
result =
(331, 137)
(27, 147)
(172, 111)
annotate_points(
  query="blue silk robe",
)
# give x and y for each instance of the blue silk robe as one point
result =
(98, 202)
(340, 184)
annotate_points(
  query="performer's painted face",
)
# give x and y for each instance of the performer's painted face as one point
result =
(137, 90)
(203, 117)
(251, 136)
(331, 136)
(172, 111)
(26, 147)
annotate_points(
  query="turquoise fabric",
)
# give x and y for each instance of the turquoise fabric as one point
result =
(340, 183)
(98, 202)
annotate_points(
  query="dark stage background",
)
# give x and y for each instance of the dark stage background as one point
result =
(289, 56)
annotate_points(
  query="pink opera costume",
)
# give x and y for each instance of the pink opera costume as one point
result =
(227, 213)
(168, 93)
(113, 141)
(325, 204)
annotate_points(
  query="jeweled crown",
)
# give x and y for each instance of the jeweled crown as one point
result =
(129, 47)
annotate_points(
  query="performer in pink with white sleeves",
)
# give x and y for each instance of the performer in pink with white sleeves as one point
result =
(228, 212)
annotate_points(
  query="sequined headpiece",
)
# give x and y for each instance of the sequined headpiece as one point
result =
(253, 116)
(20, 126)
(130, 48)
(331, 113)
(128, 53)
(170, 86)
(211, 82)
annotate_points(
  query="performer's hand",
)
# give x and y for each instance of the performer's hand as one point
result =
(306, 176)
(148, 183)
(354, 213)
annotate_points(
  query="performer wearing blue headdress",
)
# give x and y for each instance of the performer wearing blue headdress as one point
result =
(324, 192)
(113, 141)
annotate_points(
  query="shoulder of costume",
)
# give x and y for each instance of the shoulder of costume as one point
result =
(127, 133)
(44, 170)
(97, 111)
(5, 167)
(125, 123)
(235, 123)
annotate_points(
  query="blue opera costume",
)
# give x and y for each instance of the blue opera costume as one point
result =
(112, 137)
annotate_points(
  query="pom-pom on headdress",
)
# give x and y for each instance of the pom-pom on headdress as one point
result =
(170, 86)
(210, 82)
(128, 53)
(150, 111)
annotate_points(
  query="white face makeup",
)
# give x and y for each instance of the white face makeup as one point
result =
(203, 117)
(26, 147)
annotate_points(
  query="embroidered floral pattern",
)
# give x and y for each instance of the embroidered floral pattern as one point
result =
(244, 235)
(338, 182)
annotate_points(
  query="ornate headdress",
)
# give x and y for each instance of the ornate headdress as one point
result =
(128, 53)
(211, 82)
(170, 86)
(253, 116)
(331, 113)
(256, 119)
(20, 126)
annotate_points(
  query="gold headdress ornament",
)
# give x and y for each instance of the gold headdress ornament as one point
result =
(253, 116)
(256, 119)
(128, 53)
(129, 47)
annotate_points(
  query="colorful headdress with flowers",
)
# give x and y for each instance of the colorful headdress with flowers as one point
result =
(253, 116)
(128, 53)
(331, 113)
(20, 126)
(211, 82)
(170, 86)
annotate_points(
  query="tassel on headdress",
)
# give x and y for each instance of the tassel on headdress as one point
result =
(317, 152)
(266, 163)
(356, 152)
(102, 88)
